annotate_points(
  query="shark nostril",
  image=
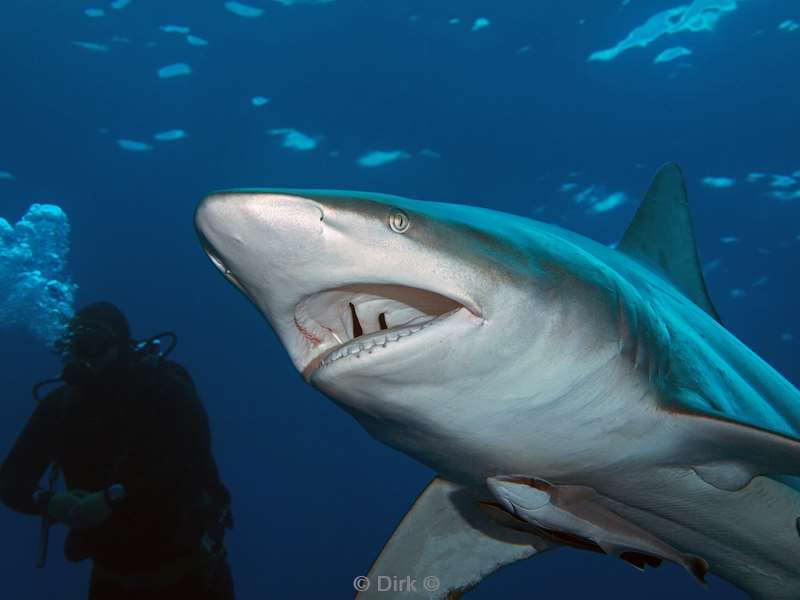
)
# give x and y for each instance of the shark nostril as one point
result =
(357, 330)
(382, 321)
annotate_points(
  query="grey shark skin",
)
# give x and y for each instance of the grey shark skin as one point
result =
(503, 351)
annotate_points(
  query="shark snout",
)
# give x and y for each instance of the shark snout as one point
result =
(263, 243)
(231, 220)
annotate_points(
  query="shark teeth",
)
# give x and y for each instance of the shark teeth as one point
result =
(369, 343)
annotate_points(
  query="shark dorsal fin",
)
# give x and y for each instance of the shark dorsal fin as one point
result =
(661, 236)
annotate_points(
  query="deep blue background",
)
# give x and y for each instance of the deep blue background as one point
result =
(315, 497)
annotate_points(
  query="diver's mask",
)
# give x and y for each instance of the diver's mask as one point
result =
(88, 349)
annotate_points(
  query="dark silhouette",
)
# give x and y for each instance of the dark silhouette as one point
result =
(143, 497)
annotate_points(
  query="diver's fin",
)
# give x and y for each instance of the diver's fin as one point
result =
(580, 512)
(447, 536)
(661, 236)
(728, 454)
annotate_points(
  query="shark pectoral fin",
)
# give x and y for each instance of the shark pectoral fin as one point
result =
(445, 535)
(661, 236)
(580, 511)
(728, 454)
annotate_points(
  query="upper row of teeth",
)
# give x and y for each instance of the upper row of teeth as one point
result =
(369, 343)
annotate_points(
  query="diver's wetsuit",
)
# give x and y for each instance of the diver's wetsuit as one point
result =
(147, 430)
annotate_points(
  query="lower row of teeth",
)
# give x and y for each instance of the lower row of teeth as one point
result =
(369, 344)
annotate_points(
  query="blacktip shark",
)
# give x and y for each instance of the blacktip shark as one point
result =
(566, 392)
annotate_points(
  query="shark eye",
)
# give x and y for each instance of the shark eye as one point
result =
(399, 221)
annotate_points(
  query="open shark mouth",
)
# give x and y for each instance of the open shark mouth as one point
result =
(347, 321)
(366, 318)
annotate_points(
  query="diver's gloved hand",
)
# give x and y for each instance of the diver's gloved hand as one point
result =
(91, 511)
(61, 505)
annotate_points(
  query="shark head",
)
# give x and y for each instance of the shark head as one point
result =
(382, 302)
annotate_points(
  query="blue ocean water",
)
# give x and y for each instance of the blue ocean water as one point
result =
(501, 108)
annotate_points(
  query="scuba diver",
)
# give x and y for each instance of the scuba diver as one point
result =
(143, 497)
